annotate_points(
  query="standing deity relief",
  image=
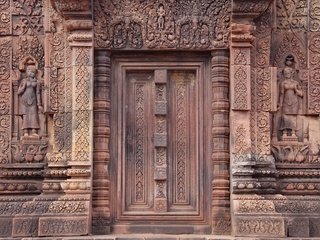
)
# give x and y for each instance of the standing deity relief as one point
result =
(30, 106)
(291, 133)
(30, 144)
(289, 102)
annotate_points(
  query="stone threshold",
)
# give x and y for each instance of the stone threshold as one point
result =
(158, 237)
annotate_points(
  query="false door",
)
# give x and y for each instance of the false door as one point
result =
(161, 142)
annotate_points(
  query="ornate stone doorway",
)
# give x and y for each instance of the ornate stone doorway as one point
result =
(160, 162)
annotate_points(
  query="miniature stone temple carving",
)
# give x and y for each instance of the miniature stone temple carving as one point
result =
(30, 101)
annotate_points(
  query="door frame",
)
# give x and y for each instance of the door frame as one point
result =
(201, 222)
(220, 215)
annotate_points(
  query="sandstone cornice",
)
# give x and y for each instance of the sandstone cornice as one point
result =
(79, 9)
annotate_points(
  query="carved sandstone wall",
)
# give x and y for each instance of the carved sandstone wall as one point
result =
(46, 120)
(275, 150)
(56, 125)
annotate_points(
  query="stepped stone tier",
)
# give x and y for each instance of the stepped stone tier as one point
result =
(159, 119)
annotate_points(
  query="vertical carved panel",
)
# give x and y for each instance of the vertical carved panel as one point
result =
(240, 69)
(263, 107)
(138, 136)
(314, 16)
(5, 100)
(138, 145)
(160, 141)
(82, 105)
(5, 18)
(5, 82)
(220, 143)
(182, 89)
(241, 88)
(314, 89)
(181, 147)
(59, 100)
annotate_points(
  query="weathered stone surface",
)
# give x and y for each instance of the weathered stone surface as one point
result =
(25, 227)
(257, 226)
(5, 227)
(298, 227)
(63, 226)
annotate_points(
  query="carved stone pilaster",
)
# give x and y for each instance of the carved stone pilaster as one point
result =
(220, 143)
(240, 69)
(101, 154)
(80, 41)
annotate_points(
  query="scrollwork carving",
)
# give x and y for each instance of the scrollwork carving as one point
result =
(314, 89)
(292, 15)
(27, 17)
(5, 100)
(265, 226)
(63, 226)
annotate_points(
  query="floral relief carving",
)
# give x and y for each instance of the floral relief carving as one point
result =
(256, 206)
(5, 18)
(240, 88)
(241, 145)
(314, 14)
(69, 226)
(290, 43)
(27, 17)
(266, 226)
(314, 89)
(292, 15)
(5, 100)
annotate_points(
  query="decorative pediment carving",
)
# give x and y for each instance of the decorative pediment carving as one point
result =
(162, 24)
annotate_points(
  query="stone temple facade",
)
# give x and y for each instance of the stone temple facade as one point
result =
(194, 117)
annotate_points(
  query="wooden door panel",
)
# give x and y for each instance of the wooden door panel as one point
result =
(182, 147)
(159, 161)
(138, 145)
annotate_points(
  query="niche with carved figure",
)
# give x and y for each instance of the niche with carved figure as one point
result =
(29, 143)
(291, 142)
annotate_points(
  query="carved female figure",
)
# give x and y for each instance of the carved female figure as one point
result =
(30, 102)
(290, 99)
(161, 13)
